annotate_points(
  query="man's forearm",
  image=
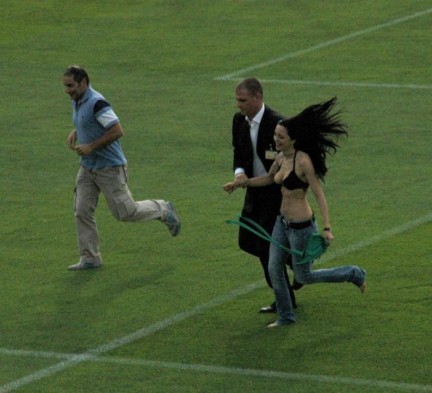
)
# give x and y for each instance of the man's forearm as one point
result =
(112, 134)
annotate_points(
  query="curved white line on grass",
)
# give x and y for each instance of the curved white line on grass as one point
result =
(314, 378)
(346, 84)
(326, 44)
(94, 354)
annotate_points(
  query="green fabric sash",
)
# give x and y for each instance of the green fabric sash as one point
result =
(315, 247)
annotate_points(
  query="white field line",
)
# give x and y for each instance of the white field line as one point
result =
(256, 373)
(366, 85)
(325, 44)
(379, 238)
(69, 360)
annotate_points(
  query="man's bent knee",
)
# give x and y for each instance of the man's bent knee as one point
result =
(124, 208)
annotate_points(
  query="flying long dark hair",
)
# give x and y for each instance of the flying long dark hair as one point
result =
(316, 131)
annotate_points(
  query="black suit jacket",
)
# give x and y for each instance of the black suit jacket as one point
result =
(261, 204)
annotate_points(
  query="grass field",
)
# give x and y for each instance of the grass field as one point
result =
(180, 315)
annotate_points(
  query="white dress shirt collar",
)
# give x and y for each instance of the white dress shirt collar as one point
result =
(258, 117)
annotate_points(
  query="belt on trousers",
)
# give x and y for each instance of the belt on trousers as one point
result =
(298, 225)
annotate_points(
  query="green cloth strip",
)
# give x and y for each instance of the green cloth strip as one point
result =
(316, 245)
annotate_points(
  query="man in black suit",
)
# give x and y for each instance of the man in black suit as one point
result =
(254, 151)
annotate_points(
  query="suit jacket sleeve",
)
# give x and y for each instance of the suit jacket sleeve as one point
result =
(242, 144)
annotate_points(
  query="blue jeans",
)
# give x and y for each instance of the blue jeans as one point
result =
(296, 239)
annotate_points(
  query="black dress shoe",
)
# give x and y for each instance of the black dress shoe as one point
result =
(272, 308)
(268, 309)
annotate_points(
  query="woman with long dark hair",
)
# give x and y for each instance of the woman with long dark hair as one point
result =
(303, 142)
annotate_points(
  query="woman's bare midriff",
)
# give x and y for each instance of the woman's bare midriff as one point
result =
(295, 206)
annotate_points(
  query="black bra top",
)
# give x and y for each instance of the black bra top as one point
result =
(292, 181)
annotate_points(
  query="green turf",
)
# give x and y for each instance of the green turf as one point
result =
(160, 64)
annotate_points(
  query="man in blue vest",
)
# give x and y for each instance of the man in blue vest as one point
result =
(103, 169)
